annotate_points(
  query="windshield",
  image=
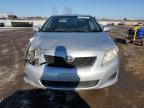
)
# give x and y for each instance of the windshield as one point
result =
(71, 24)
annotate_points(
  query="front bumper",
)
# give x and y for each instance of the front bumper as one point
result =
(105, 75)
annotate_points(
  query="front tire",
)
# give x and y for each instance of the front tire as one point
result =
(142, 42)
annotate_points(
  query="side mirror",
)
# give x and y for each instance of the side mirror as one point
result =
(106, 29)
(36, 29)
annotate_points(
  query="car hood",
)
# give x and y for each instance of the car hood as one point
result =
(72, 41)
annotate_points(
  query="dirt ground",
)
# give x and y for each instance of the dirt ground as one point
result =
(14, 93)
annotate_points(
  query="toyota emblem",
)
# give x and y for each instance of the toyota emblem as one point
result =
(69, 59)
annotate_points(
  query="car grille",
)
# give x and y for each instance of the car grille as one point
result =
(55, 61)
(69, 84)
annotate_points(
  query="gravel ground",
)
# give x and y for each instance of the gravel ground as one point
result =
(14, 93)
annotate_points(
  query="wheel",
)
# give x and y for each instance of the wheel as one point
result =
(128, 41)
(142, 42)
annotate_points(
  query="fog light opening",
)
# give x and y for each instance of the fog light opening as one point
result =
(113, 76)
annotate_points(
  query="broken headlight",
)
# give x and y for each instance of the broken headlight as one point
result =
(32, 56)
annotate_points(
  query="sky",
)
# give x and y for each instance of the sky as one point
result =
(114, 9)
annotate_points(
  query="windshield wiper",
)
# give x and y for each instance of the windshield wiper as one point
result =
(61, 30)
(79, 30)
(70, 30)
(47, 30)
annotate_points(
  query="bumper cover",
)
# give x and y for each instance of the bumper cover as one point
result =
(35, 75)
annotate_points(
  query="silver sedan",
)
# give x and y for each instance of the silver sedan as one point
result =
(71, 52)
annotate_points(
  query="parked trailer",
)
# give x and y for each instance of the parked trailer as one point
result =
(22, 24)
(1, 24)
(135, 35)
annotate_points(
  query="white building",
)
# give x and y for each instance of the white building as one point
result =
(3, 15)
(7, 16)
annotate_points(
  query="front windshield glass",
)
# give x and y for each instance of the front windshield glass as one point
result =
(71, 24)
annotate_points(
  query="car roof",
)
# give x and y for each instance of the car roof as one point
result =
(78, 15)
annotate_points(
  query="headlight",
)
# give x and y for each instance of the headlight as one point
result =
(32, 56)
(110, 55)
